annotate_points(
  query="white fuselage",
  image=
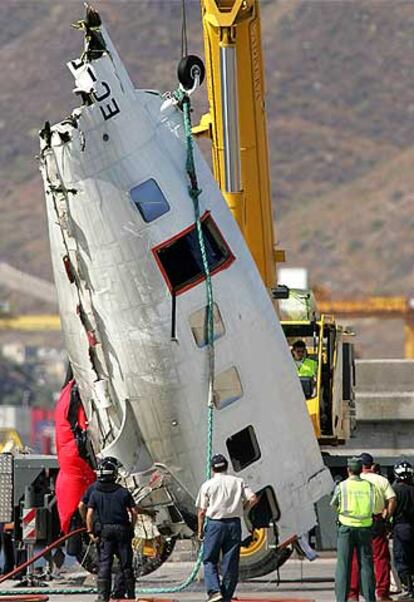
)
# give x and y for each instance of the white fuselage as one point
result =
(145, 392)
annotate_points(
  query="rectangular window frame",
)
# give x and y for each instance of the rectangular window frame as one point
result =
(267, 502)
(222, 266)
(219, 326)
(139, 206)
(237, 396)
(257, 452)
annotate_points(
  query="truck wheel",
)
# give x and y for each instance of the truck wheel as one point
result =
(260, 557)
(188, 68)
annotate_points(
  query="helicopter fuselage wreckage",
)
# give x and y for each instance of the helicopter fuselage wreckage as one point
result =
(132, 299)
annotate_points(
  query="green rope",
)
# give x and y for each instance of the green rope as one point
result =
(194, 192)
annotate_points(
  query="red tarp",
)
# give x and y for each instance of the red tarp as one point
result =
(75, 475)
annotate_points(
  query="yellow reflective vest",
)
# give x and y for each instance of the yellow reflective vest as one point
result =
(356, 502)
(307, 368)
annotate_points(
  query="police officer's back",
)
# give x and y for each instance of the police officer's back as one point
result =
(119, 582)
(116, 514)
(403, 530)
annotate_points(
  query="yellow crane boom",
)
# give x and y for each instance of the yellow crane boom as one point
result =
(236, 122)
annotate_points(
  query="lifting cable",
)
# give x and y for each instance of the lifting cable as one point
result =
(38, 595)
(184, 43)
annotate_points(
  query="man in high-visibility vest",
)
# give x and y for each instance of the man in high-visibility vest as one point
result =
(354, 501)
(305, 366)
(385, 503)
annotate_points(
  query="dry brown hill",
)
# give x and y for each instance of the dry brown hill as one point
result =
(341, 122)
(366, 236)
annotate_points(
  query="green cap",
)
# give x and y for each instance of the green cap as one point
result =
(354, 463)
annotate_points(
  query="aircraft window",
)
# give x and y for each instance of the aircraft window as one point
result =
(266, 510)
(227, 388)
(149, 200)
(180, 259)
(243, 448)
(174, 514)
(198, 324)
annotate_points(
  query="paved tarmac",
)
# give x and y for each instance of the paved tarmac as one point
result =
(299, 580)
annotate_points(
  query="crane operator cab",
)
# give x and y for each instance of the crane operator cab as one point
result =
(325, 366)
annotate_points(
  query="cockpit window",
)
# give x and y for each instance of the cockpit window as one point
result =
(149, 200)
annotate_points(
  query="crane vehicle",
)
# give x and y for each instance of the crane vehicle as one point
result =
(139, 268)
(236, 125)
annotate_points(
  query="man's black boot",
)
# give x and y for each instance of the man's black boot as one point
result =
(130, 588)
(104, 590)
(119, 592)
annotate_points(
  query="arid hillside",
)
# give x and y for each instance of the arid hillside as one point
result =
(340, 105)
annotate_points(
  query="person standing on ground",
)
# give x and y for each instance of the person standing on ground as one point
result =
(384, 508)
(354, 501)
(119, 590)
(403, 527)
(220, 503)
(116, 513)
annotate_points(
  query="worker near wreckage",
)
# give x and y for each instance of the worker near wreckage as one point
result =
(385, 503)
(221, 503)
(119, 585)
(305, 366)
(116, 514)
(354, 501)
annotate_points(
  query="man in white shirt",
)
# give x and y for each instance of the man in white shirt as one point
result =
(385, 502)
(221, 502)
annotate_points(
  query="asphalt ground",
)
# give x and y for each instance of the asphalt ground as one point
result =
(299, 580)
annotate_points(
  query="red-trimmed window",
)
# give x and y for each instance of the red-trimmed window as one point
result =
(180, 258)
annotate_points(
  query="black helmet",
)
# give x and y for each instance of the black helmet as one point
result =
(108, 470)
(403, 471)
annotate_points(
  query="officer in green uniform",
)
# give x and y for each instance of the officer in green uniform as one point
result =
(305, 366)
(354, 501)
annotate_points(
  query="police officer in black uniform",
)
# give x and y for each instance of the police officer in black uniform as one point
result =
(403, 531)
(116, 514)
(119, 591)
